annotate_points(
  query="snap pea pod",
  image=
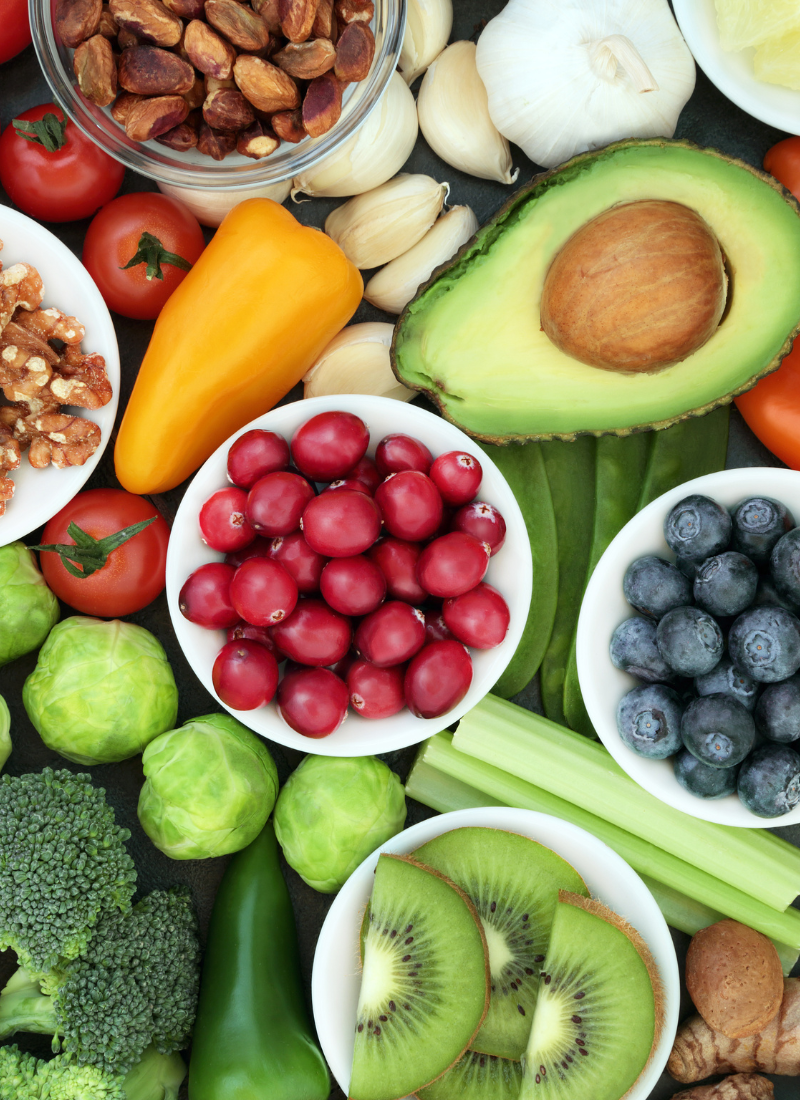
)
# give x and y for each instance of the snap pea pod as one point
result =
(522, 465)
(692, 448)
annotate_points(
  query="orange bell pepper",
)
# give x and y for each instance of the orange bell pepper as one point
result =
(772, 409)
(243, 327)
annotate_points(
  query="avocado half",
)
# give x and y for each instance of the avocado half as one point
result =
(472, 340)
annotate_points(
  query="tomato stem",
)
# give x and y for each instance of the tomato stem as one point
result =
(88, 552)
(49, 131)
(151, 251)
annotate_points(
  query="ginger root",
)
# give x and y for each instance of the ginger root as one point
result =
(699, 1052)
(742, 1086)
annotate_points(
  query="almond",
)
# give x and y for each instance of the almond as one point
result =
(227, 109)
(322, 105)
(96, 70)
(149, 19)
(123, 105)
(208, 52)
(297, 18)
(77, 20)
(149, 70)
(305, 60)
(266, 86)
(152, 117)
(239, 24)
(186, 9)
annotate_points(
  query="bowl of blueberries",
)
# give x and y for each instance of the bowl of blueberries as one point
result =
(688, 647)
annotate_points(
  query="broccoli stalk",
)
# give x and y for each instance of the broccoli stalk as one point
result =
(24, 1077)
(23, 1007)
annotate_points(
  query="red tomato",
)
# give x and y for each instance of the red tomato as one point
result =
(135, 572)
(15, 29)
(114, 238)
(772, 409)
(71, 182)
(783, 162)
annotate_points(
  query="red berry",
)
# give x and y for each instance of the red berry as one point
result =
(479, 618)
(245, 675)
(314, 634)
(341, 524)
(483, 522)
(205, 598)
(258, 548)
(437, 679)
(452, 564)
(223, 525)
(410, 505)
(348, 483)
(457, 475)
(353, 586)
(436, 629)
(398, 563)
(366, 472)
(263, 592)
(391, 635)
(376, 692)
(255, 454)
(251, 633)
(329, 445)
(313, 701)
(276, 502)
(402, 452)
(299, 560)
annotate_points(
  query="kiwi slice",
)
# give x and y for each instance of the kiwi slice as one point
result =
(598, 1015)
(424, 983)
(513, 882)
(477, 1077)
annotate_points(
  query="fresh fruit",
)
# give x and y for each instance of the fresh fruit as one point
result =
(263, 592)
(765, 643)
(436, 629)
(245, 674)
(276, 502)
(633, 649)
(725, 584)
(653, 586)
(402, 452)
(784, 564)
(398, 563)
(205, 598)
(313, 701)
(757, 524)
(391, 635)
(375, 692)
(425, 972)
(366, 472)
(701, 779)
(452, 564)
(695, 528)
(410, 505)
(726, 678)
(457, 475)
(483, 521)
(252, 633)
(299, 560)
(256, 454)
(258, 548)
(314, 634)
(690, 641)
(341, 524)
(477, 1077)
(718, 730)
(16, 32)
(329, 445)
(478, 618)
(777, 60)
(649, 721)
(352, 586)
(222, 521)
(777, 711)
(769, 780)
(438, 678)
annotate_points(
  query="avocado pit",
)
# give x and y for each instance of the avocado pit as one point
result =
(637, 288)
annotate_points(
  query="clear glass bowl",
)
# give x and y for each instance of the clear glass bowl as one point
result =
(192, 169)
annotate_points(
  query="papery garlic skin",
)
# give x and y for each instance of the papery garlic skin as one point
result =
(563, 77)
(380, 225)
(357, 361)
(454, 117)
(393, 287)
(428, 27)
(210, 207)
(375, 153)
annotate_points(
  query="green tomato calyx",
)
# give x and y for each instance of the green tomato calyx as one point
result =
(50, 132)
(88, 552)
(151, 251)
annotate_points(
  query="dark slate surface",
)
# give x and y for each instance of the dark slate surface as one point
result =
(708, 119)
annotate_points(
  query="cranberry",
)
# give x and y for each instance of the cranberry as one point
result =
(245, 675)
(329, 445)
(457, 475)
(341, 668)
(348, 483)
(483, 522)
(436, 629)
(438, 679)
(251, 633)
(205, 598)
(479, 618)
(410, 505)
(376, 692)
(299, 561)
(313, 634)
(392, 634)
(366, 472)
(398, 563)
(222, 523)
(263, 592)
(341, 524)
(313, 701)
(255, 454)
(452, 564)
(258, 548)
(276, 502)
(353, 586)
(402, 452)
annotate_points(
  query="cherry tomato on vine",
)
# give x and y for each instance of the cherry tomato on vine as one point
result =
(55, 173)
(783, 162)
(15, 28)
(134, 572)
(139, 248)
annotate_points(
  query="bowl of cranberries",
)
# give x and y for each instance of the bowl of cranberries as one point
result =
(349, 571)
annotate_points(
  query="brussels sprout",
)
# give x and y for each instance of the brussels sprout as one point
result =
(5, 738)
(101, 690)
(28, 609)
(209, 788)
(334, 811)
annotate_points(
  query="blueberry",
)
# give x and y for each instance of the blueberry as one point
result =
(718, 730)
(696, 528)
(689, 640)
(784, 565)
(634, 650)
(653, 586)
(725, 584)
(758, 523)
(769, 781)
(701, 780)
(728, 680)
(649, 721)
(765, 642)
(778, 711)
(767, 593)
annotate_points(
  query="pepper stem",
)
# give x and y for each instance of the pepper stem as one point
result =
(88, 552)
(151, 251)
(616, 49)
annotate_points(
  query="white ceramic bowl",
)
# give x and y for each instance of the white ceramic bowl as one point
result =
(604, 608)
(509, 572)
(39, 494)
(733, 72)
(335, 980)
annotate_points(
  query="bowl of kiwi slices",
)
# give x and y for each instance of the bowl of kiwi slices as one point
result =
(495, 954)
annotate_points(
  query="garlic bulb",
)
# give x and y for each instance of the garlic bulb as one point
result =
(428, 26)
(357, 361)
(210, 207)
(454, 116)
(376, 227)
(393, 287)
(376, 152)
(565, 76)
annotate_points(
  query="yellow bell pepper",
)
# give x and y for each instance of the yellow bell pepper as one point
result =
(243, 327)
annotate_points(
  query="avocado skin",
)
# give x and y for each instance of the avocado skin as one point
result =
(539, 183)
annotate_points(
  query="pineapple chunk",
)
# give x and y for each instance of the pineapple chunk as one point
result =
(745, 23)
(778, 61)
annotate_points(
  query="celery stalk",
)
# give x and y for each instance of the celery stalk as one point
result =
(583, 772)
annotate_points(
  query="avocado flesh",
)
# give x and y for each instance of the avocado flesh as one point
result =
(472, 337)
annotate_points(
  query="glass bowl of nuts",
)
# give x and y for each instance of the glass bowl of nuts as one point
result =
(218, 94)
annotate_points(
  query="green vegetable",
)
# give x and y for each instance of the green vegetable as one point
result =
(253, 1039)
(687, 450)
(101, 691)
(523, 467)
(155, 1077)
(28, 609)
(332, 812)
(209, 788)
(5, 732)
(25, 1077)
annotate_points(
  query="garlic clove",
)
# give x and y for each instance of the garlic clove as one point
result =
(393, 287)
(357, 361)
(376, 152)
(428, 27)
(210, 207)
(453, 111)
(379, 225)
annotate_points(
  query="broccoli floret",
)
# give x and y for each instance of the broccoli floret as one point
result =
(24, 1077)
(63, 865)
